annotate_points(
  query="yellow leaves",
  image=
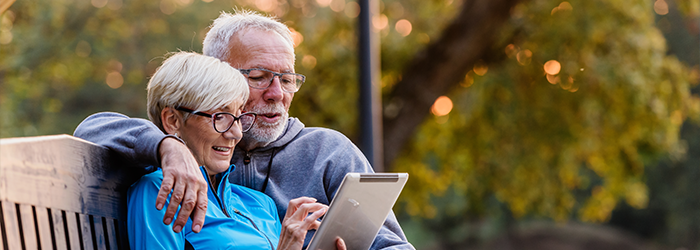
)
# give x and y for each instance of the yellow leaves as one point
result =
(597, 164)
(569, 176)
(424, 183)
(636, 194)
(604, 199)
(599, 205)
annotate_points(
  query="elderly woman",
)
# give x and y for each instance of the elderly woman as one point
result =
(199, 100)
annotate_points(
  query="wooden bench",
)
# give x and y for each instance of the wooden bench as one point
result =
(61, 192)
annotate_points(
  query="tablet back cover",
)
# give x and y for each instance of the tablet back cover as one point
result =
(358, 210)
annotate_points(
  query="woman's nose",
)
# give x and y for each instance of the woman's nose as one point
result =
(234, 133)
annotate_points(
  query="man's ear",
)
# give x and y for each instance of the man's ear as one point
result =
(170, 119)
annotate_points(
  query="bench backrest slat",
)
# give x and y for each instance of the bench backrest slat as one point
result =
(11, 227)
(61, 190)
(72, 231)
(28, 230)
(43, 222)
(59, 232)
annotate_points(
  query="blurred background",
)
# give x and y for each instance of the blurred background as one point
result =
(540, 124)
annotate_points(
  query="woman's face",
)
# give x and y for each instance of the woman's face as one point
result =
(212, 149)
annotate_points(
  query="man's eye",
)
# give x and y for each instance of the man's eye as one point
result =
(287, 79)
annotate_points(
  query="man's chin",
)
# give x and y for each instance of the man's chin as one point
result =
(264, 134)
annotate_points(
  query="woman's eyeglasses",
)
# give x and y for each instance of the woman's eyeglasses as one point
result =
(222, 121)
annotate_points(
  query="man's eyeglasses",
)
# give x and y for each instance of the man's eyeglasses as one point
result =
(222, 121)
(262, 78)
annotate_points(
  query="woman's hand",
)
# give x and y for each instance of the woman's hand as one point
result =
(296, 222)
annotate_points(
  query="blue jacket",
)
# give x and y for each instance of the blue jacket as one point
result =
(237, 218)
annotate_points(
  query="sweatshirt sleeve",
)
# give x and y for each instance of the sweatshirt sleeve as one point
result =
(135, 140)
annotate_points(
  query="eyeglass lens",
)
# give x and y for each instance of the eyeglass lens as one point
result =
(224, 121)
(262, 79)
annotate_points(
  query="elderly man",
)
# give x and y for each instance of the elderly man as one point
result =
(278, 156)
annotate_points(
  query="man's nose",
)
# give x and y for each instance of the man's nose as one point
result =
(274, 92)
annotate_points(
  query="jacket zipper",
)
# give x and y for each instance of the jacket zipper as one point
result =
(255, 226)
(223, 208)
(216, 194)
(248, 173)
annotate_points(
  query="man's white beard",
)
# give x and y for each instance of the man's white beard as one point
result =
(263, 133)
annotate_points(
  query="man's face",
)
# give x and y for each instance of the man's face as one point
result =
(264, 49)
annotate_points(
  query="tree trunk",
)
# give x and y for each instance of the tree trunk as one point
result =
(440, 67)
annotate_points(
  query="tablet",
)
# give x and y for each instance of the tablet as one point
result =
(358, 210)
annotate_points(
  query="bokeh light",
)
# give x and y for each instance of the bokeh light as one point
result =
(552, 67)
(524, 57)
(114, 65)
(404, 27)
(83, 49)
(323, 3)
(423, 38)
(568, 84)
(167, 7)
(297, 37)
(98, 3)
(337, 5)
(309, 62)
(563, 6)
(380, 22)
(117, 4)
(553, 79)
(511, 50)
(396, 9)
(183, 2)
(661, 7)
(480, 68)
(266, 5)
(114, 80)
(352, 9)
(468, 80)
(442, 106)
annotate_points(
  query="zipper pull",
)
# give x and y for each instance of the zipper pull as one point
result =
(246, 159)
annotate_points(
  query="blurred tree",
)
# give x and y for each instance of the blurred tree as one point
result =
(671, 217)
(584, 99)
(550, 107)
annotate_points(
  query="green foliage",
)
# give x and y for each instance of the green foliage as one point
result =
(575, 141)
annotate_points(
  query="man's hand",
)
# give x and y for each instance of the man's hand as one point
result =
(181, 174)
(297, 221)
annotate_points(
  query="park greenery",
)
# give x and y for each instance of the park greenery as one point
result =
(561, 114)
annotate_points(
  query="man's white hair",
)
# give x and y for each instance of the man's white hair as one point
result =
(194, 81)
(217, 41)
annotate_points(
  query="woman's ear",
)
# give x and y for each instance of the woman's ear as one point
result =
(170, 119)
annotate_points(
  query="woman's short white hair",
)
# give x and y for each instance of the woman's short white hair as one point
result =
(217, 41)
(194, 81)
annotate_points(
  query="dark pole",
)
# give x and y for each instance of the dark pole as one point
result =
(370, 87)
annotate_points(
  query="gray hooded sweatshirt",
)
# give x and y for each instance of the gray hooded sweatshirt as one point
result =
(302, 162)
